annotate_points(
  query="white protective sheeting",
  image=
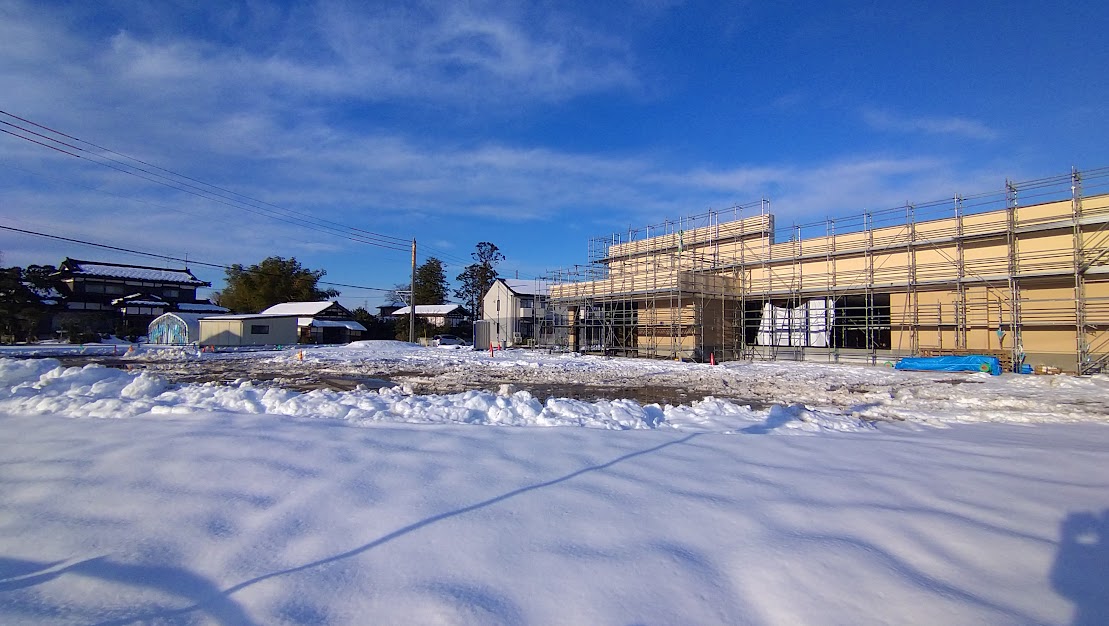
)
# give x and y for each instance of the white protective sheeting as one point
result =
(806, 325)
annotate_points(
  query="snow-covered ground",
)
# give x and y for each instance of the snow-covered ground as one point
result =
(839, 494)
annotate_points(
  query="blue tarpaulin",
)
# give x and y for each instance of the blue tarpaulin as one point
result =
(971, 363)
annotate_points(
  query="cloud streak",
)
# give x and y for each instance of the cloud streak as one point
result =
(886, 121)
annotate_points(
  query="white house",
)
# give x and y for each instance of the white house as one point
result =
(436, 314)
(321, 322)
(517, 311)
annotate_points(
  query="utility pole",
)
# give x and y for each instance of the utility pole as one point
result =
(412, 298)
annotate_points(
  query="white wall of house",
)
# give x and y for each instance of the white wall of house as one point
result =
(248, 330)
(513, 316)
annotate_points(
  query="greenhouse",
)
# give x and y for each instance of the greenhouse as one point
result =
(176, 329)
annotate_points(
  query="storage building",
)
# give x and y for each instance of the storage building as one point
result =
(248, 330)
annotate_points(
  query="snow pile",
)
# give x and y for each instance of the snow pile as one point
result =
(44, 387)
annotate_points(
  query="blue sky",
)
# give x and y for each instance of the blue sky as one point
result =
(535, 126)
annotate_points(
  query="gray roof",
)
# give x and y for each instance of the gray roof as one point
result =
(202, 307)
(526, 287)
(130, 272)
(349, 324)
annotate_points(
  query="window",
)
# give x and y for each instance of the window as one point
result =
(170, 293)
(259, 329)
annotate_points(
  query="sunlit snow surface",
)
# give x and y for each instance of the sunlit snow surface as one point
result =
(253, 504)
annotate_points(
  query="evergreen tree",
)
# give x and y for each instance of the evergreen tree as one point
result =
(478, 277)
(273, 281)
(431, 283)
(21, 300)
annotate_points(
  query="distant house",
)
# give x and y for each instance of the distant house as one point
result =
(518, 312)
(321, 322)
(247, 330)
(436, 314)
(387, 313)
(104, 293)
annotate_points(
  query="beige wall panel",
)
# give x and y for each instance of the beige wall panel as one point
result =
(1046, 240)
(1043, 340)
(1054, 291)
(986, 339)
(933, 298)
(937, 263)
(994, 249)
(1095, 205)
(851, 241)
(1045, 253)
(1097, 289)
(893, 235)
(891, 267)
(816, 273)
(986, 259)
(992, 222)
(1041, 213)
(946, 255)
(786, 250)
(936, 229)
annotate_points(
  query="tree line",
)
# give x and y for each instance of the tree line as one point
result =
(276, 280)
(254, 288)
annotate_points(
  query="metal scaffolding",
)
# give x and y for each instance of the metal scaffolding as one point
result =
(1002, 272)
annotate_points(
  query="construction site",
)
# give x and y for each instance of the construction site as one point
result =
(1021, 273)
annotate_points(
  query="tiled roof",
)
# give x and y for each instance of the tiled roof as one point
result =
(131, 272)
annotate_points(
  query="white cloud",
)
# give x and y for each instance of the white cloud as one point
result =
(954, 126)
(270, 120)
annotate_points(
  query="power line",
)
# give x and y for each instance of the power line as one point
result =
(383, 237)
(162, 256)
(225, 197)
(189, 178)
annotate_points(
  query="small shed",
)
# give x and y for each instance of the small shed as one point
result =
(175, 329)
(248, 330)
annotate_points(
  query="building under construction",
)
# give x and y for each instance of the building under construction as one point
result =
(1021, 273)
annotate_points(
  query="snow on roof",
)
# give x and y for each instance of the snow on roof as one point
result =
(184, 317)
(132, 272)
(44, 292)
(349, 324)
(245, 316)
(202, 307)
(141, 299)
(298, 308)
(429, 309)
(527, 287)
